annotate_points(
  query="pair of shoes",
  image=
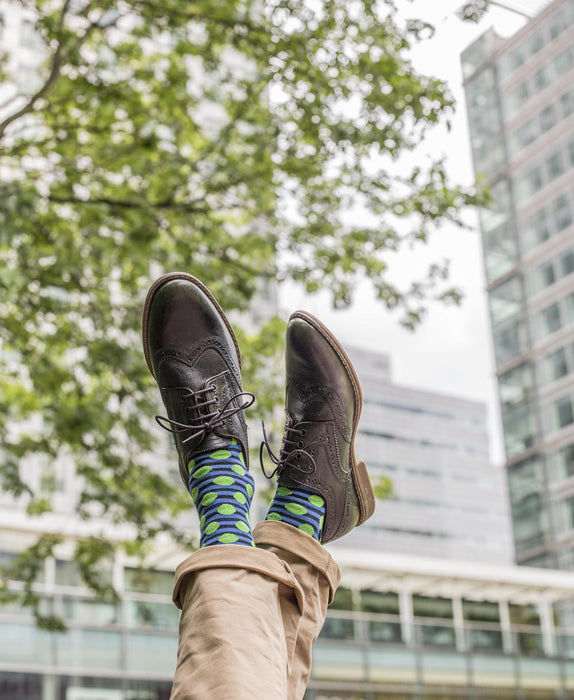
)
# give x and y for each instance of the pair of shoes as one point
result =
(192, 352)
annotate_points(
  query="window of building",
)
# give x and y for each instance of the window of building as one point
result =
(90, 611)
(567, 263)
(557, 24)
(525, 479)
(536, 229)
(564, 412)
(567, 104)
(480, 611)
(555, 366)
(509, 341)
(535, 43)
(543, 276)
(529, 523)
(506, 301)
(424, 606)
(529, 183)
(547, 118)
(561, 212)
(542, 78)
(565, 512)
(563, 62)
(377, 602)
(148, 581)
(550, 318)
(525, 135)
(343, 599)
(562, 464)
(555, 165)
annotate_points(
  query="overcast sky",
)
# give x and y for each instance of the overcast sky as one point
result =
(452, 351)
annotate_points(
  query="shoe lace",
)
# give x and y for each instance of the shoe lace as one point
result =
(288, 457)
(210, 416)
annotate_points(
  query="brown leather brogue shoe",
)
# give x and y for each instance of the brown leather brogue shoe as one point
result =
(192, 352)
(323, 405)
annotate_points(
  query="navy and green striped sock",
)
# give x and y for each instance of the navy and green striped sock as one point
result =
(299, 507)
(222, 488)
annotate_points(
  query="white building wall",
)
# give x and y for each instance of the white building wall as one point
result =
(448, 500)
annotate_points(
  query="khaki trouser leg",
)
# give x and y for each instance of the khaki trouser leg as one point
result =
(250, 616)
(318, 575)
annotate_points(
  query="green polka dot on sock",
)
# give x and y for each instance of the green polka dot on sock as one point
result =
(194, 493)
(190, 465)
(208, 498)
(282, 491)
(321, 521)
(202, 521)
(234, 442)
(317, 501)
(296, 509)
(226, 509)
(249, 490)
(242, 459)
(201, 472)
(274, 516)
(227, 538)
(237, 469)
(240, 498)
(211, 528)
(240, 525)
(305, 527)
(220, 454)
(224, 480)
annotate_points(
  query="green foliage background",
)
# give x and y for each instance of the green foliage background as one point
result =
(227, 139)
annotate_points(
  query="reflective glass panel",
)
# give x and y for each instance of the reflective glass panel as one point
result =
(148, 581)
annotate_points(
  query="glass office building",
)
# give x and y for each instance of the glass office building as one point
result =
(520, 101)
(401, 628)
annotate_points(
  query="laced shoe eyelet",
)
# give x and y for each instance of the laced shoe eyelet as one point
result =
(300, 444)
(304, 432)
(216, 399)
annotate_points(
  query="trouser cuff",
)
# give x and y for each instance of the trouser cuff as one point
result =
(289, 538)
(237, 557)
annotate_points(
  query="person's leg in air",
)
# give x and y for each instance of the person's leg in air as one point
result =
(250, 614)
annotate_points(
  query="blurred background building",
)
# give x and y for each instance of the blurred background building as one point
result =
(520, 101)
(448, 500)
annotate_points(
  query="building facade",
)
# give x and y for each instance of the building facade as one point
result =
(520, 101)
(448, 500)
(400, 628)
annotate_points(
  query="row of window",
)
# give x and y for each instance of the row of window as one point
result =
(532, 179)
(535, 42)
(543, 122)
(545, 76)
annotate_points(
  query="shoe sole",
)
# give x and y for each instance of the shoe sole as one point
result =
(359, 473)
(148, 301)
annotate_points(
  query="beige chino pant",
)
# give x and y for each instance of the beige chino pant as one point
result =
(250, 616)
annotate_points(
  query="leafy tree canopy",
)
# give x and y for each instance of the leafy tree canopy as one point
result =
(234, 139)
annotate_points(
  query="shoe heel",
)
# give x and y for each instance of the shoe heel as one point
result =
(364, 491)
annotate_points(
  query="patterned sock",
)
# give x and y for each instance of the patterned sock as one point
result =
(222, 488)
(300, 507)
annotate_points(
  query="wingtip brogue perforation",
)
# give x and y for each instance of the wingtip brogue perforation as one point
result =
(323, 405)
(192, 352)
